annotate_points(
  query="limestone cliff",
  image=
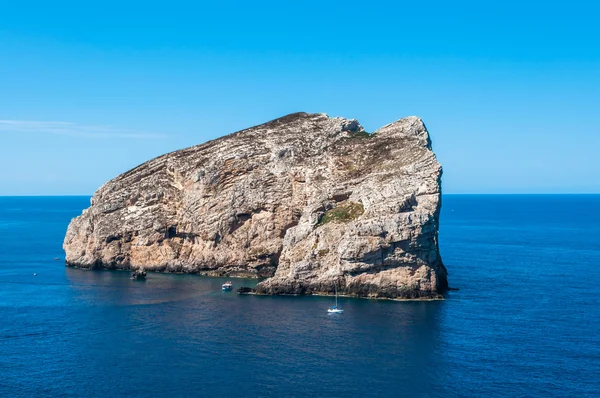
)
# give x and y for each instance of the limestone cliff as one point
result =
(306, 200)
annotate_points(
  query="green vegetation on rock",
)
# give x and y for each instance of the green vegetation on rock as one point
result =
(323, 253)
(344, 212)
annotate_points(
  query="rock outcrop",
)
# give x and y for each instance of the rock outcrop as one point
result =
(306, 200)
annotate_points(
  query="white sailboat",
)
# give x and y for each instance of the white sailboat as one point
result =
(335, 309)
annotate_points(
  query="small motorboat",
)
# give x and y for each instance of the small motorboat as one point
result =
(227, 286)
(138, 275)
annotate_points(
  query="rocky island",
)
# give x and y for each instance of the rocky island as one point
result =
(306, 200)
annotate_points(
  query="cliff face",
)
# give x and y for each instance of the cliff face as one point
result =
(306, 200)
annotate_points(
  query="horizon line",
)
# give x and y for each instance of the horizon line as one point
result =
(443, 194)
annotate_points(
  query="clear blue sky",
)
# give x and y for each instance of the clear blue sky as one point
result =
(510, 90)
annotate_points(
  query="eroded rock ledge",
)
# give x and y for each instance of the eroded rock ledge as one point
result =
(305, 200)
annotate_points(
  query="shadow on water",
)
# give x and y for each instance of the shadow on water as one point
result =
(117, 288)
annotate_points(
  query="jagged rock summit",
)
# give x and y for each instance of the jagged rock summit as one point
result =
(306, 200)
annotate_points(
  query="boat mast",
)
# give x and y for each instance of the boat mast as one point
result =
(335, 287)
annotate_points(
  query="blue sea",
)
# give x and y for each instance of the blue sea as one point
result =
(525, 322)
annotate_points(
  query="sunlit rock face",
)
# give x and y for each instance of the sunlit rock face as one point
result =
(306, 200)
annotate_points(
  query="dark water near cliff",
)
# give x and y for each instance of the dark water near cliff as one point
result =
(526, 321)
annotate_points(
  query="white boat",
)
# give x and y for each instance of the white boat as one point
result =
(335, 309)
(227, 286)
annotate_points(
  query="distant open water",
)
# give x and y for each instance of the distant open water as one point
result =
(526, 321)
